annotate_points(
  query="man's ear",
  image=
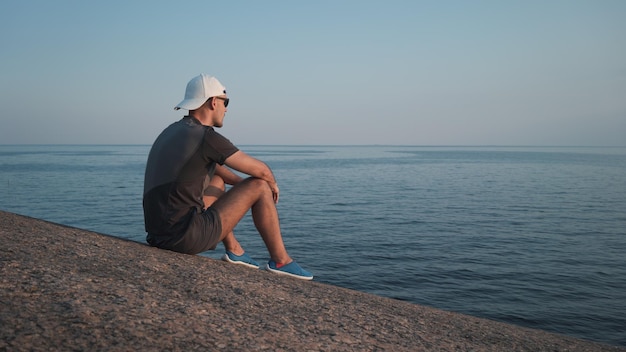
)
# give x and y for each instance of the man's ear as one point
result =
(210, 103)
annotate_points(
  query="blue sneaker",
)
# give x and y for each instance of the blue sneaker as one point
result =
(292, 269)
(243, 259)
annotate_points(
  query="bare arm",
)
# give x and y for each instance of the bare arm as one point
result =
(229, 177)
(246, 164)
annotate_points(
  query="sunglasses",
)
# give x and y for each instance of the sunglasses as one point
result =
(226, 100)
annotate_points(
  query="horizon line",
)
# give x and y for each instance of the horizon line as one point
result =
(343, 145)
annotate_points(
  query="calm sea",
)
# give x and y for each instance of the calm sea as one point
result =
(532, 236)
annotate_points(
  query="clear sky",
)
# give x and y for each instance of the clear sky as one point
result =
(545, 72)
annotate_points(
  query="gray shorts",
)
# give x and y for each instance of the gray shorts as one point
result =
(202, 234)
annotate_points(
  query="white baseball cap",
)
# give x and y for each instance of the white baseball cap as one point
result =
(199, 90)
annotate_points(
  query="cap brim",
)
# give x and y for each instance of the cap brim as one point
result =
(190, 104)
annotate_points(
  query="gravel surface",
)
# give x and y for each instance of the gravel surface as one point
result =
(63, 288)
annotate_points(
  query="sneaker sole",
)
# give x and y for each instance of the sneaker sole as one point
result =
(267, 267)
(227, 259)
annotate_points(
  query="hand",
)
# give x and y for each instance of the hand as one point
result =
(275, 191)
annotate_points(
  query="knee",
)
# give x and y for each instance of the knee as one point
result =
(213, 190)
(217, 182)
(259, 185)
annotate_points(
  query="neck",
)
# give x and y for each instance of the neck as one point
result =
(202, 116)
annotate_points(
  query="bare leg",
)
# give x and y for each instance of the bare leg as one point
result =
(254, 194)
(211, 194)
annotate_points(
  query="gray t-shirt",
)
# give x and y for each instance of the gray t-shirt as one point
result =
(181, 161)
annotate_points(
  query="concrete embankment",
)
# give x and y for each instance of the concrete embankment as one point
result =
(63, 288)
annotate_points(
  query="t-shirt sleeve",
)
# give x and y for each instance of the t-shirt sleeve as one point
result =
(217, 147)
